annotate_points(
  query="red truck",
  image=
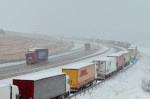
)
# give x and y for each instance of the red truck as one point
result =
(47, 85)
(35, 55)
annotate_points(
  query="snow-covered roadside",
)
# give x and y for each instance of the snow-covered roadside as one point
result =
(126, 85)
(59, 69)
(76, 46)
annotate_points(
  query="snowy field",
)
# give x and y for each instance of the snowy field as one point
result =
(126, 85)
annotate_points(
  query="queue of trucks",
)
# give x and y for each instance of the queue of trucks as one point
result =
(73, 78)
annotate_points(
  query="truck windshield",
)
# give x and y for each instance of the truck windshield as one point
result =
(30, 54)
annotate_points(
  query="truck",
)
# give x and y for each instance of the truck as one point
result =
(87, 46)
(126, 56)
(36, 55)
(120, 60)
(105, 67)
(81, 75)
(133, 50)
(47, 85)
(8, 91)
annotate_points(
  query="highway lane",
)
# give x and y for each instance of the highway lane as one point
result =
(54, 60)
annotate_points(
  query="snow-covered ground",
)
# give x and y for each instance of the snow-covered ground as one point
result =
(76, 47)
(126, 85)
(59, 69)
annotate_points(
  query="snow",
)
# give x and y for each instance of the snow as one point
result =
(115, 54)
(77, 66)
(59, 69)
(77, 46)
(3, 85)
(124, 52)
(126, 85)
(144, 50)
(33, 49)
(104, 59)
(38, 76)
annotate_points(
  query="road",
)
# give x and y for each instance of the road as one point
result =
(52, 61)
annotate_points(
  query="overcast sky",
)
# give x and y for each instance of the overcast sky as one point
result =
(108, 19)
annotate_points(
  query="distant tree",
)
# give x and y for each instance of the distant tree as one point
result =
(2, 32)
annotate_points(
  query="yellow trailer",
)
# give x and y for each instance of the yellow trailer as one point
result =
(81, 75)
(132, 52)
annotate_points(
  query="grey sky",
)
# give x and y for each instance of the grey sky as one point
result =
(108, 19)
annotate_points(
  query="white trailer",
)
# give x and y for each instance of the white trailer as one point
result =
(48, 85)
(9, 92)
(105, 67)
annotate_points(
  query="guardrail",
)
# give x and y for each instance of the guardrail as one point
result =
(102, 82)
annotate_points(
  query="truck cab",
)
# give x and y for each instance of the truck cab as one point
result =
(68, 83)
(35, 55)
(9, 92)
(30, 57)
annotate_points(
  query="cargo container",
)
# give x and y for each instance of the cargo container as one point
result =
(43, 86)
(126, 56)
(105, 67)
(9, 92)
(120, 59)
(133, 50)
(87, 46)
(81, 75)
(35, 55)
(132, 59)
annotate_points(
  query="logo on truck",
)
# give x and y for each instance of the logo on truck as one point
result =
(83, 73)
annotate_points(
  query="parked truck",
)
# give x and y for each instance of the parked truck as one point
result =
(120, 59)
(81, 75)
(43, 86)
(133, 52)
(105, 67)
(9, 92)
(126, 56)
(35, 55)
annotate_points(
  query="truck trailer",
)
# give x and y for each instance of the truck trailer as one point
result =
(9, 92)
(81, 75)
(120, 59)
(126, 56)
(133, 50)
(43, 86)
(87, 46)
(35, 55)
(105, 67)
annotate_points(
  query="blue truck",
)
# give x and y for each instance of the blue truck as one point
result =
(36, 55)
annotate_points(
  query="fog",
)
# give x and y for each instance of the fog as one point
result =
(126, 20)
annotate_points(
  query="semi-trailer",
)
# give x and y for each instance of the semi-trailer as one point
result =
(105, 67)
(87, 46)
(126, 56)
(133, 52)
(35, 55)
(81, 75)
(43, 86)
(120, 59)
(9, 92)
